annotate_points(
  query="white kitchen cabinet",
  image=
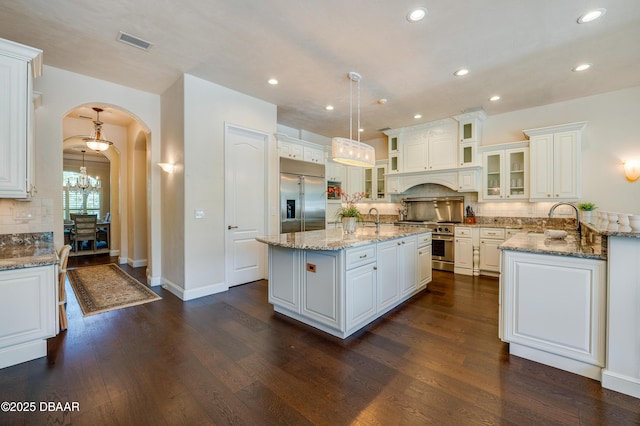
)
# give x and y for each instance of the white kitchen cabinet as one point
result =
(556, 162)
(394, 154)
(355, 180)
(463, 250)
(284, 273)
(469, 137)
(468, 180)
(28, 313)
(398, 269)
(361, 295)
(313, 155)
(321, 298)
(425, 265)
(375, 182)
(490, 240)
(18, 66)
(426, 151)
(335, 172)
(505, 174)
(290, 150)
(553, 310)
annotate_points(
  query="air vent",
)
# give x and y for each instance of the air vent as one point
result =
(384, 129)
(134, 41)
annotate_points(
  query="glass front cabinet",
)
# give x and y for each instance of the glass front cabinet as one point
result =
(505, 174)
(375, 182)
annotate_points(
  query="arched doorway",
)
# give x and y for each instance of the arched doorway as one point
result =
(128, 178)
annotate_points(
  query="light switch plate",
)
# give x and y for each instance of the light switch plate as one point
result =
(199, 214)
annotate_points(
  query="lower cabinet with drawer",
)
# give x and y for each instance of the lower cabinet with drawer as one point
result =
(341, 291)
(490, 240)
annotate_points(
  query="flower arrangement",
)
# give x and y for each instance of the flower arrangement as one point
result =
(350, 210)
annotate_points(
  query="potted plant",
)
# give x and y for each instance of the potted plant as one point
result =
(349, 213)
(585, 210)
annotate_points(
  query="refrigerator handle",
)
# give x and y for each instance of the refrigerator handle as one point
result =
(302, 204)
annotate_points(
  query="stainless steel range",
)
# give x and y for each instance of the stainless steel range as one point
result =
(439, 214)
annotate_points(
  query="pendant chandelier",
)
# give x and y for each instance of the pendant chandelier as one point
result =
(349, 151)
(97, 141)
(84, 184)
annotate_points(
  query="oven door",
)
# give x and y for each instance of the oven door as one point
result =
(442, 246)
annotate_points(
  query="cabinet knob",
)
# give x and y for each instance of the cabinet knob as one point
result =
(548, 195)
(403, 242)
(398, 243)
(375, 268)
(557, 195)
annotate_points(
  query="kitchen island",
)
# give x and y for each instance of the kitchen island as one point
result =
(339, 282)
(28, 306)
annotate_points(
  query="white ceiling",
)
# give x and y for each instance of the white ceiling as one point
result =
(523, 50)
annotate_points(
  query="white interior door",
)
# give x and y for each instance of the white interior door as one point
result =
(245, 204)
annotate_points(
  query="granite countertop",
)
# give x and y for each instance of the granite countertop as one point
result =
(569, 246)
(335, 239)
(26, 250)
(611, 230)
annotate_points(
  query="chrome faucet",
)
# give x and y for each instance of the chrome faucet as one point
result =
(553, 208)
(377, 222)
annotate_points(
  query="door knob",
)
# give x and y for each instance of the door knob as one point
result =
(231, 227)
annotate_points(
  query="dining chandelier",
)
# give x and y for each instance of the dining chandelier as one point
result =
(348, 151)
(96, 141)
(83, 184)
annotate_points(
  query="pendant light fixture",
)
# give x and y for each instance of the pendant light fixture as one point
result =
(97, 141)
(349, 151)
(84, 183)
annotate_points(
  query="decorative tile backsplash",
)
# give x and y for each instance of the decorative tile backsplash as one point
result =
(28, 216)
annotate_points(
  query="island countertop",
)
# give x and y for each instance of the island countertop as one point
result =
(336, 239)
(569, 246)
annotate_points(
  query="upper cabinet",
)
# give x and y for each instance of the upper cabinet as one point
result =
(469, 137)
(19, 64)
(375, 182)
(426, 147)
(505, 173)
(555, 160)
(297, 149)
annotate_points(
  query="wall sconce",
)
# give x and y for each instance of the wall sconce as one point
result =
(632, 170)
(167, 167)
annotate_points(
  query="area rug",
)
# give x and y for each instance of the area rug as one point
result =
(105, 288)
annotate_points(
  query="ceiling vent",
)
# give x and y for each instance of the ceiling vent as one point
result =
(134, 41)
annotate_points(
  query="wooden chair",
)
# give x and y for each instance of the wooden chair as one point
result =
(63, 257)
(84, 229)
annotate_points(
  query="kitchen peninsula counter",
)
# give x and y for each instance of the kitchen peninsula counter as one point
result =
(29, 303)
(569, 246)
(338, 282)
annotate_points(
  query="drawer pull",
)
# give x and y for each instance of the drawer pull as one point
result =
(363, 256)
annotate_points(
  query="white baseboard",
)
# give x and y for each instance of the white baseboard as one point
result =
(620, 383)
(137, 263)
(573, 366)
(154, 281)
(195, 293)
(24, 352)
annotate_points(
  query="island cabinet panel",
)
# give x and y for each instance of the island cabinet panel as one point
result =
(28, 313)
(388, 283)
(284, 277)
(554, 310)
(321, 298)
(408, 265)
(425, 266)
(360, 301)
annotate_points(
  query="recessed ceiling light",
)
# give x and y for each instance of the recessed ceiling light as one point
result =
(461, 72)
(272, 81)
(361, 130)
(382, 101)
(494, 98)
(417, 116)
(581, 67)
(592, 15)
(417, 14)
(329, 107)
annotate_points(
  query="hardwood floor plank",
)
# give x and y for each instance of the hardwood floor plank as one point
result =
(229, 359)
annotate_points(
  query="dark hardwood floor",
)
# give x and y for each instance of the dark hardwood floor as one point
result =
(228, 359)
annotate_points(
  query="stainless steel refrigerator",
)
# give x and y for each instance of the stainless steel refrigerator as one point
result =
(303, 198)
